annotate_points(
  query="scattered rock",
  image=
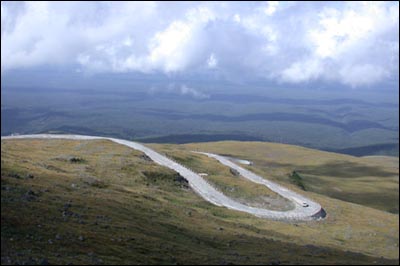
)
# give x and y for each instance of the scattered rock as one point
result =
(94, 182)
(234, 172)
(76, 160)
(29, 176)
(14, 175)
(275, 262)
(81, 238)
(30, 195)
(66, 213)
(6, 188)
(224, 262)
(181, 180)
(145, 158)
(98, 261)
(44, 262)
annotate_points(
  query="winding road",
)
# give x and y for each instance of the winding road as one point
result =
(305, 209)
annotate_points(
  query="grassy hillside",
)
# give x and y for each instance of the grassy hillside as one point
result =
(230, 182)
(96, 202)
(371, 181)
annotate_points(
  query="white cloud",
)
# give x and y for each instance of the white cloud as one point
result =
(212, 61)
(236, 18)
(352, 43)
(360, 75)
(185, 90)
(180, 89)
(302, 71)
(271, 7)
(168, 47)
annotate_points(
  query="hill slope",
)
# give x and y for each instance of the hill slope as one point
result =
(97, 202)
(371, 181)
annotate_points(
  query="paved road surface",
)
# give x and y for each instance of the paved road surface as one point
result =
(208, 192)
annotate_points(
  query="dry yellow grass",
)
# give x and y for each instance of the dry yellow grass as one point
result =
(232, 185)
(136, 213)
(370, 181)
(348, 225)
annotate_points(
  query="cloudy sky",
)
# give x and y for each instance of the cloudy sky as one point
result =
(352, 43)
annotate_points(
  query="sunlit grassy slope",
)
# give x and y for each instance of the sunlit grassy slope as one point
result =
(371, 181)
(228, 181)
(96, 202)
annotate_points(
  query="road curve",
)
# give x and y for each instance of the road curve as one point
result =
(208, 192)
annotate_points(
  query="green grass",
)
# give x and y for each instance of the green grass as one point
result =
(296, 179)
(371, 181)
(229, 183)
(143, 214)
